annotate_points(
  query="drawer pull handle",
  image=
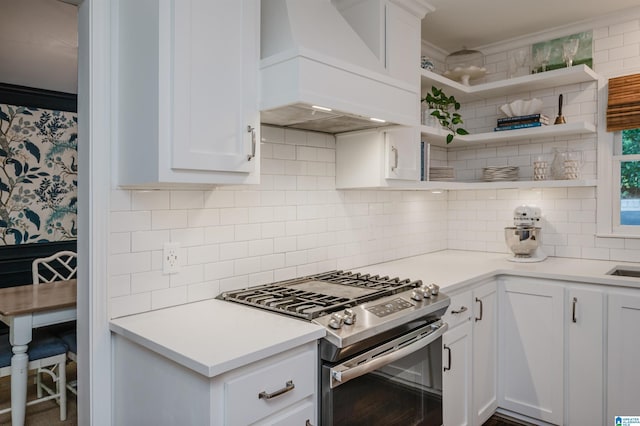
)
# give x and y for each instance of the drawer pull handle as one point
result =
(573, 314)
(289, 386)
(448, 367)
(459, 311)
(481, 309)
(395, 158)
(252, 130)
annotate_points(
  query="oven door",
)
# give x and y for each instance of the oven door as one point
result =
(396, 383)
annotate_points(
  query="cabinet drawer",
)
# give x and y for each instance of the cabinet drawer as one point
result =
(242, 402)
(459, 310)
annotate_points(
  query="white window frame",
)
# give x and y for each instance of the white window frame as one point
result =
(617, 159)
(609, 159)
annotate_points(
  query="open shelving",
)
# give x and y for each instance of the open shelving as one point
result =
(437, 137)
(526, 83)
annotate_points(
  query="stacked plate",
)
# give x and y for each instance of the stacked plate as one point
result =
(491, 174)
(441, 173)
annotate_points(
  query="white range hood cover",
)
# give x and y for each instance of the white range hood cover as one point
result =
(312, 56)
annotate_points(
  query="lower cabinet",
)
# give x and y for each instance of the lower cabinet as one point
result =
(585, 356)
(149, 389)
(623, 347)
(556, 351)
(485, 352)
(531, 355)
(456, 376)
(469, 357)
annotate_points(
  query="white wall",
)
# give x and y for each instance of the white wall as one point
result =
(294, 223)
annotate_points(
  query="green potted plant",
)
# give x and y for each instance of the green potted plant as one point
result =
(444, 109)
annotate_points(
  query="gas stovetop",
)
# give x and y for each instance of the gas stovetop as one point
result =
(353, 307)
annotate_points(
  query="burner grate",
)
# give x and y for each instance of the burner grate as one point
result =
(306, 303)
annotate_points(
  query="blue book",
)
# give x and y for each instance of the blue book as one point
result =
(520, 118)
(518, 126)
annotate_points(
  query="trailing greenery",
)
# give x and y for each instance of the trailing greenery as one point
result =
(630, 170)
(445, 110)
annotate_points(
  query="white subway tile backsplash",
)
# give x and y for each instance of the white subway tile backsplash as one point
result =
(187, 199)
(168, 297)
(130, 262)
(149, 281)
(150, 200)
(120, 200)
(169, 219)
(202, 291)
(120, 242)
(296, 223)
(218, 270)
(128, 221)
(143, 241)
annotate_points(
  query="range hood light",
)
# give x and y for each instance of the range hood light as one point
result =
(321, 108)
(378, 120)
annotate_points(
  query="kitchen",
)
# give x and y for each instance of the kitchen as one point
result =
(294, 223)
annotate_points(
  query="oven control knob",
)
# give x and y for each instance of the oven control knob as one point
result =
(426, 291)
(349, 316)
(336, 321)
(434, 289)
(416, 295)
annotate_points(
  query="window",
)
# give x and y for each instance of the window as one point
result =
(618, 192)
(627, 181)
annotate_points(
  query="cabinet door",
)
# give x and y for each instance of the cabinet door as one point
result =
(531, 349)
(402, 152)
(485, 355)
(623, 348)
(456, 376)
(585, 319)
(214, 94)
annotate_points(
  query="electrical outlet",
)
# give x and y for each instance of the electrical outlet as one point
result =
(171, 258)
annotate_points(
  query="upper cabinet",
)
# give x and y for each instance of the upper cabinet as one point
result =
(187, 92)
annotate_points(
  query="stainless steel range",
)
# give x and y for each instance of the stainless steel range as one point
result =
(383, 341)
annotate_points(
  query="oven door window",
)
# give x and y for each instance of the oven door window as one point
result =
(405, 391)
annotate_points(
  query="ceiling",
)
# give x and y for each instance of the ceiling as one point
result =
(474, 23)
(39, 44)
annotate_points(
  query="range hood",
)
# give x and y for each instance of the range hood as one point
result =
(324, 66)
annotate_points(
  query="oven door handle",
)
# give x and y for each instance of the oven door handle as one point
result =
(342, 373)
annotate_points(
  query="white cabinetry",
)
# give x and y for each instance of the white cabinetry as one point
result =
(151, 389)
(531, 354)
(456, 376)
(585, 352)
(623, 347)
(469, 383)
(187, 79)
(377, 158)
(485, 352)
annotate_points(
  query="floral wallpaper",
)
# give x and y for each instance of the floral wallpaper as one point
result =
(38, 175)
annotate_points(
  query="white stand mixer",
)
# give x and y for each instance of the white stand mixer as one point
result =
(523, 239)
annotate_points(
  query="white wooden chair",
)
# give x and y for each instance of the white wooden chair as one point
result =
(47, 355)
(59, 266)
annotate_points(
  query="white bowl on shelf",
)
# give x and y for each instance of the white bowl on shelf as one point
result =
(522, 107)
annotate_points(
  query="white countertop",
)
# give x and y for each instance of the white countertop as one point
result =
(455, 269)
(212, 337)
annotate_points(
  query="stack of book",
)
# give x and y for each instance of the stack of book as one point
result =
(522, 122)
